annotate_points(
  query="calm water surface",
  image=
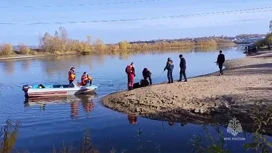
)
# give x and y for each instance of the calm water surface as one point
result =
(66, 121)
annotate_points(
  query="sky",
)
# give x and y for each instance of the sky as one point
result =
(132, 20)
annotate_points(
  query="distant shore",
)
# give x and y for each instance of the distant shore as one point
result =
(37, 54)
(60, 44)
(246, 83)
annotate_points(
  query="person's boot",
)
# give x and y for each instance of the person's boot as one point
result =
(180, 79)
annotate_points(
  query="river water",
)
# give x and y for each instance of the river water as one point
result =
(45, 126)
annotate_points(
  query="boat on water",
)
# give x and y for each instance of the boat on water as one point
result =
(46, 90)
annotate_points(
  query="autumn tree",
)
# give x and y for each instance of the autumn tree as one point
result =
(124, 45)
(99, 45)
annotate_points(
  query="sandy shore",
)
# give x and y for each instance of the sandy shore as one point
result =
(246, 83)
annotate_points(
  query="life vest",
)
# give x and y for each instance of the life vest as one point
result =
(90, 78)
(71, 75)
(84, 79)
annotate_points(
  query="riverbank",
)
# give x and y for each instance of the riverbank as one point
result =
(37, 55)
(246, 83)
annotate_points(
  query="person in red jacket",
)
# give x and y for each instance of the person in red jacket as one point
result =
(130, 75)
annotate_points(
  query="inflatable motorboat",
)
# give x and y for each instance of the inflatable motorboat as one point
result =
(45, 90)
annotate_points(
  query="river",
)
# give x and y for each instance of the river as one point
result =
(45, 126)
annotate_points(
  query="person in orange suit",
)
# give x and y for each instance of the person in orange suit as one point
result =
(130, 70)
(71, 75)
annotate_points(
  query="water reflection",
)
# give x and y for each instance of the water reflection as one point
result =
(26, 64)
(124, 55)
(132, 119)
(55, 64)
(171, 123)
(88, 106)
(74, 110)
(85, 100)
(9, 67)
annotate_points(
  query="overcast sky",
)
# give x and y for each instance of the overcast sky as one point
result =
(117, 20)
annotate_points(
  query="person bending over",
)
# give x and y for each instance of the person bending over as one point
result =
(147, 75)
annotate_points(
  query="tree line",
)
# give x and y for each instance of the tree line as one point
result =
(59, 43)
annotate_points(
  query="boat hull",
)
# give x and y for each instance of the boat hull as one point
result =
(40, 101)
(57, 90)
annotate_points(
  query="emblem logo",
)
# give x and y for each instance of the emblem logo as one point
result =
(234, 127)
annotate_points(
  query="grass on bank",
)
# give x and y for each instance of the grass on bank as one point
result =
(60, 43)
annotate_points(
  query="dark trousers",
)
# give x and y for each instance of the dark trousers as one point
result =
(182, 73)
(149, 79)
(220, 65)
(70, 81)
(170, 76)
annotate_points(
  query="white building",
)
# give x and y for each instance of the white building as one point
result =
(270, 27)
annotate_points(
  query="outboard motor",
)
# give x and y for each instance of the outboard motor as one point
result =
(25, 88)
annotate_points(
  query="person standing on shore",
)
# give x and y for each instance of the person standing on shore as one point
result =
(130, 75)
(182, 66)
(169, 67)
(220, 61)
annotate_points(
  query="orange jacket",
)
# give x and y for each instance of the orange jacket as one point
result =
(71, 75)
(84, 79)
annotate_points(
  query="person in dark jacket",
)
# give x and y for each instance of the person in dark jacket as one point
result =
(182, 66)
(169, 67)
(220, 61)
(147, 75)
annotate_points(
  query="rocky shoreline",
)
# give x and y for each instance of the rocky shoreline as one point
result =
(246, 83)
